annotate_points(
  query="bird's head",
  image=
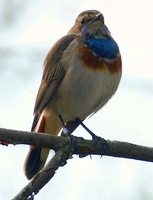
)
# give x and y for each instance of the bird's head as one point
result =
(91, 23)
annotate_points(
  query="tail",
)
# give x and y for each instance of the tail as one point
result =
(35, 161)
(37, 157)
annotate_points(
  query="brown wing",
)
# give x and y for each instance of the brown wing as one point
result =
(53, 74)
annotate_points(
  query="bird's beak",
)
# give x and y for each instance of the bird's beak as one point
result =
(94, 22)
(96, 18)
(96, 27)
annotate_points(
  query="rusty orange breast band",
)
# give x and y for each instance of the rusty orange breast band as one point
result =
(94, 62)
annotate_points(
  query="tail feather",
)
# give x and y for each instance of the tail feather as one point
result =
(35, 161)
(36, 157)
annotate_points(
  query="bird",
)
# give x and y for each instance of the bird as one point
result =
(82, 71)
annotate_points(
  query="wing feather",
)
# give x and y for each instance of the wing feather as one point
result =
(53, 74)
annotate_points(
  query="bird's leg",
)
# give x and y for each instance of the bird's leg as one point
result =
(87, 129)
(103, 142)
(65, 131)
(94, 136)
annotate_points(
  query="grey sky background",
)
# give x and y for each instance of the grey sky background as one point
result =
(28, 30)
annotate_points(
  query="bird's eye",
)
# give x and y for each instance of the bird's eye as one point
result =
(82, 21)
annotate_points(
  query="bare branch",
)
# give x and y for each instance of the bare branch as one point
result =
(23, 137)
(65, 146)
(43, 177)
(83, 147)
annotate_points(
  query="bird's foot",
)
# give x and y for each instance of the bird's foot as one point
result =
(95, 138)
(66, 133)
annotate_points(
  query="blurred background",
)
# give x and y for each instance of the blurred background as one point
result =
(27, 31)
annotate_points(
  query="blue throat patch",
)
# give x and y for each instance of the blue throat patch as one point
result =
(105, 48)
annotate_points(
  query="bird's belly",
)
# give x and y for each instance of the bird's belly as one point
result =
(84, 91)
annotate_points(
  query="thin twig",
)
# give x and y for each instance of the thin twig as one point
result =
(44, 176)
